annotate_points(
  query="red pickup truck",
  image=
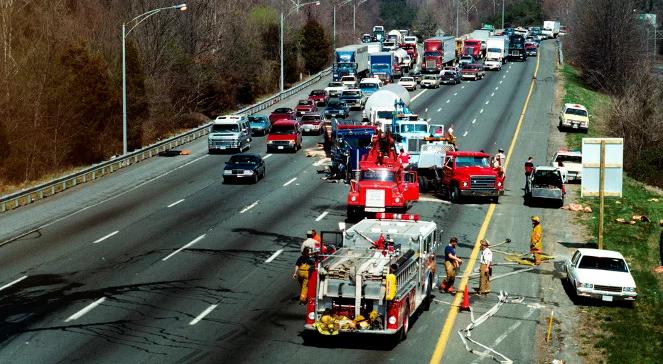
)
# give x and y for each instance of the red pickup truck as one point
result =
(284, 135)
(319, 97)
(304, 106)
(282, 113)
(468, 173)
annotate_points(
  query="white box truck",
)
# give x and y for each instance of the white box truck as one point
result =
(550, 28)
(497, 50)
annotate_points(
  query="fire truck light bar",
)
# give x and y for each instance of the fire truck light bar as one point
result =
(392, 216)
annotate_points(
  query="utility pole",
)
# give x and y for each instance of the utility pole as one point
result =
(457, 6)
(503, 14)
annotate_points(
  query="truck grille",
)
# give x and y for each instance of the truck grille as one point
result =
(280, 142)
(430, 64)
(482, 182)
(607, 288)
(223, 142)
(414, 145)
(238, 171)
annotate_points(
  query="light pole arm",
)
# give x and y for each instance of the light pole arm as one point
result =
(142, 17)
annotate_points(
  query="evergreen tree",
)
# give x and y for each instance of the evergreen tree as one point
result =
(315, 47)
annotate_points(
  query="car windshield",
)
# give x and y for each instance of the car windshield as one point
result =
(377, 175)
(282, 129)
(578, 112)
(358, 142)
(350, 93)
(385, 115)
(603, 263)
(432, 54)
(407, 79)
(257, 120)
(318, 93)
(368, 86)
(472, 162)
(414, 128)
(348, 79)
(220, 128)
(334, 105)
(430, 77)
(569, 158)
(335, 84)
(282, 110)
(380, 67)
(495, 50)
(547, 177)
(304, 102)
(310, 118)
(242, 159)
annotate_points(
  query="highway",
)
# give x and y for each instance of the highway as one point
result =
(161, 262)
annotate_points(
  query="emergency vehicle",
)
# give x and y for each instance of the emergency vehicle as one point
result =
(380, 275)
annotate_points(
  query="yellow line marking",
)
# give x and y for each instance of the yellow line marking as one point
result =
(441, 345)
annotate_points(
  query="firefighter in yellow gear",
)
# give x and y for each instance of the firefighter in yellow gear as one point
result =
(302, 267)
(536, 239)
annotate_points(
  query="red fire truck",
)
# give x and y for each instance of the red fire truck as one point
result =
(381, 184)
(380, 275)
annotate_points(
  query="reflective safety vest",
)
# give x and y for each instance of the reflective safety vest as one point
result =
(391, 287)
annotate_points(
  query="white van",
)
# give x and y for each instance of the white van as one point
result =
(229, 132)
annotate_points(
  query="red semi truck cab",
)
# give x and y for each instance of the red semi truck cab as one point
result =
(381, 184)
(411, 50)
(468, 173)
(432, 61)
(472, 47)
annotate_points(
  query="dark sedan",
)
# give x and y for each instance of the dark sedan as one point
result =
(248, 166)
(450, 77)
(259, 124)
(336, 108)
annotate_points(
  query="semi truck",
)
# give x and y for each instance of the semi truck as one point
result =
(497, 50)
(550, 28)
(379, 276)
(380, 107)
(395, 36)
(439, 51)
(472, 47)
(351, 60)
(378, 33)
(351, 143)
(383, 65)
(404, 61)
(517, 47)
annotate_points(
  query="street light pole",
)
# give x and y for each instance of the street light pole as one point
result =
(503, 14)
(281, 82)
(135, 21)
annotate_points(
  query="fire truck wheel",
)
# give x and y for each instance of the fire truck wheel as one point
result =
(423, 184)
(454, 194)
(406, 325)
(429, 297)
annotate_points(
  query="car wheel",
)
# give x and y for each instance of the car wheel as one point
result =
(454, 194)
(255, 178)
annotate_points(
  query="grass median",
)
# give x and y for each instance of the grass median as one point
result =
(615, 333)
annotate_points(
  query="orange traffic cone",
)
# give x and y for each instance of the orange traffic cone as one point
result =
(465, 306)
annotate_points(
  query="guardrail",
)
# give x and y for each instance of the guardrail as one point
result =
(561, 54)
(50, 188)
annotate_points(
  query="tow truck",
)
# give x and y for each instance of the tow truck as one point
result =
(378, 277)
(467, 173)
(381, 184)
(351, 143)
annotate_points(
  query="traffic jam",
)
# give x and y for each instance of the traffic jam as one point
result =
(381, 267)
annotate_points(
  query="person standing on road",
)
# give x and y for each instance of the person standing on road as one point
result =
(404, 157)
(302, 267)
(451, 264)
(563, 171)
(500, 158)
(529, 169)
(536, 239)
(310, 242)
(486, 262)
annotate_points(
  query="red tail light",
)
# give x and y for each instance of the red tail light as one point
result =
(392, 315)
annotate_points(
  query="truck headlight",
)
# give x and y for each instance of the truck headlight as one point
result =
(584, 285)
(465, 184)
(248, 172)
(270, 142)
(353, 198)
(227, 172)
(291, 142)
(397, 200)
(499, 184)
(629, 289)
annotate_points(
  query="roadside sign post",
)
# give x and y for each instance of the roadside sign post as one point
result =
(602, 172)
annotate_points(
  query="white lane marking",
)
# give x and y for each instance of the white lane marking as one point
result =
(455, 93)
(481, 111)
(465, 133)
(247, 208)
(105, 237)
(202, 315)
(266, 156)
(417, 95)
(322, 216)
(341, 224)
(176, 202)
(273, 256)
(431, 199)
(497, 88)
(500, 81)
(493, 94)
(440, 109)
(289, 182)
(487, 102)
(504, 76)
(448, 101)
(462, 87)
(474, 121)
(184, 247)
(85, 310)
(321, 161)
(41, 227)
(13, 283)
(507, 71)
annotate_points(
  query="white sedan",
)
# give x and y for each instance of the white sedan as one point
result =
(408, 82)
(600, 274)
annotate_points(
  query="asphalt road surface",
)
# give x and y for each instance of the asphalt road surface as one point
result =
(161, 262)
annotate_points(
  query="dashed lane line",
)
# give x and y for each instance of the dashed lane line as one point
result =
(322, 216)
(481, 111)
(417, 95)
(202, 315)
(266, 156)
(105, 237)
(184, 247)
(289, 182)
(175, 203)
(273, 256)
(474, 121)
(247, 208)
(465, 133)
(85, 310)
(13, 283)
